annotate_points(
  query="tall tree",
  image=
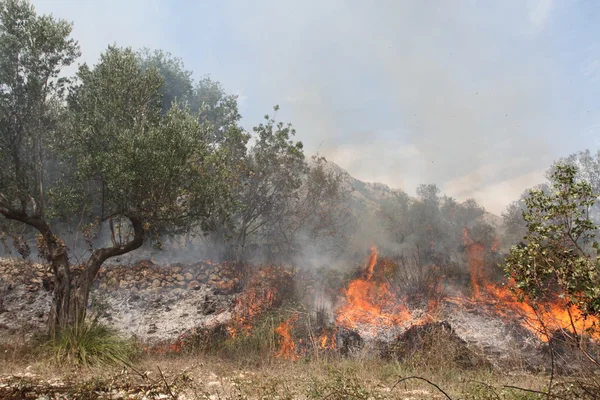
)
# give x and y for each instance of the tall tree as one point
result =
(115, 158)
(214, 109)
(315, 218)
(588, 170)
(177, 81)
(271, 177)
(33, 51)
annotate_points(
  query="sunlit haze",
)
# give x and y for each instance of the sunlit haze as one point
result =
(477, 97)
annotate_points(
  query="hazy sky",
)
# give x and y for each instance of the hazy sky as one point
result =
(476, 96)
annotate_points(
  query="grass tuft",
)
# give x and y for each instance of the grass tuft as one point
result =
(90, 344)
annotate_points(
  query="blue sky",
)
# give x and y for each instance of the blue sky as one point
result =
(477, 97)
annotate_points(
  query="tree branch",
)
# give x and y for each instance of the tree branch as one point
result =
(100, 255)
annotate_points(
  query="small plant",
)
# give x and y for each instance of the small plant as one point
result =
(89, 344)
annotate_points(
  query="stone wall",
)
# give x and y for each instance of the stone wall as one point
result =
(225, 277)
(149, 301)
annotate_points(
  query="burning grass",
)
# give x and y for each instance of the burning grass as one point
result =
(553, 314)
(370, 303)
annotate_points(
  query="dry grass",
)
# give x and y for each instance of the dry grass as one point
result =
(247, 369)
(210, 377)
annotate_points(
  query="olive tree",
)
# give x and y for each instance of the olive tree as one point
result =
(33, 51)
(115, 159)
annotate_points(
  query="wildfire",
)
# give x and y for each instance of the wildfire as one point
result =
(287, 346)
(249, 305)
(369, 302)
(550, 316)
(326, 340)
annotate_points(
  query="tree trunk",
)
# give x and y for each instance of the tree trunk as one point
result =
(61, 298)
(80, 295)
(71, 293)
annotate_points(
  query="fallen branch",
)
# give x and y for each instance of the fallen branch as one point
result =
(425, 380)
(166, 383)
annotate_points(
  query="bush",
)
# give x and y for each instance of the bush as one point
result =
(90, 344)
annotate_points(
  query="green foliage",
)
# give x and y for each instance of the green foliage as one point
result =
(270, 179)
(33, 50)
(129, 159)
(89, 344)
(560, 251)
(177, 81)
(206, 98)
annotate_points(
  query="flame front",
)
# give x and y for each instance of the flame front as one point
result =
(248, 306)
(287, 346)
(551, 315)
(369, 303)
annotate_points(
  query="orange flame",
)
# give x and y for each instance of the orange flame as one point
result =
(249, 305)
(551, 315)
(475, 257)
(327, 340)
(370, 302)
(287, 348)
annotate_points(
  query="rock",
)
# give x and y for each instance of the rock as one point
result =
(188, 276)
(214, 277)
(179, 277)
(156, 283)
(194, 285)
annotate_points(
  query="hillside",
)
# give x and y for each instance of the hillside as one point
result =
(370, 195)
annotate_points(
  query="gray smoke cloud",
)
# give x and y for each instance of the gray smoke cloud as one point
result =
(478, 98)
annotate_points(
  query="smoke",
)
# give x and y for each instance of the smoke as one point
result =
(477, 98)
(417, 92)
(469, 96)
